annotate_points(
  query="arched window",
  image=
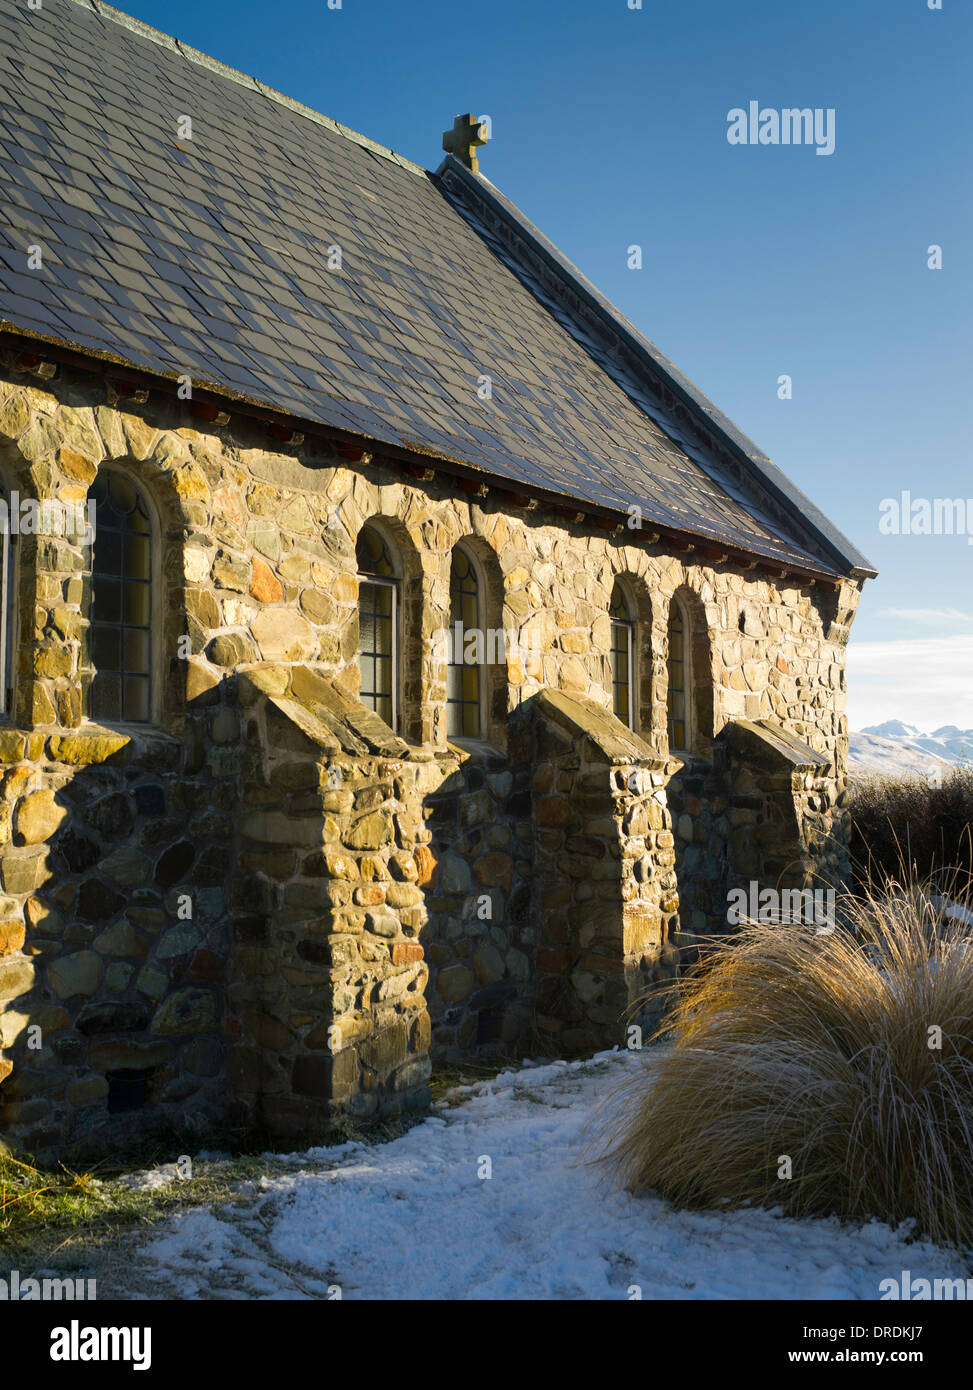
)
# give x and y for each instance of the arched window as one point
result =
(7, 606)
(8, 600)
(378, 615)
(680, 681)
(622, 657)
(463, 700)
(120, 610)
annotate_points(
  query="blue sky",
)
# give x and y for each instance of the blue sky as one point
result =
(609, 130)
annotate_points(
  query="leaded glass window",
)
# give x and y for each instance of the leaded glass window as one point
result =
(120, 610)
(463, 701)
(377, 625)
(678, 678)
(7, 601)
(622, 656)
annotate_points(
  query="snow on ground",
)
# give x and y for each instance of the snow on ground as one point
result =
(412, 1219)
(151, 1179)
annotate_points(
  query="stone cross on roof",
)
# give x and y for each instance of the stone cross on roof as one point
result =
(463, 139)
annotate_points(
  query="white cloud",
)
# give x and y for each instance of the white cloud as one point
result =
(927, 615)
(926, 681)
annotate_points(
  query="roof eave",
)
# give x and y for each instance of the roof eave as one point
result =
(61, 351)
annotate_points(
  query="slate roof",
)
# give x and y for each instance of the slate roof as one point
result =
(209, 257)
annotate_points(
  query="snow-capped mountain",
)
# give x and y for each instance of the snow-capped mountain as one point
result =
(897, 748)
(893, 728)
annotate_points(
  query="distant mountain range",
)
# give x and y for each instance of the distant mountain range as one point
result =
(896, 748)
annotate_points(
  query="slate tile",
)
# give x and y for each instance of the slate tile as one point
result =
(216, 254)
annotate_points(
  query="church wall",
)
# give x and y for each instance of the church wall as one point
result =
(254, 554)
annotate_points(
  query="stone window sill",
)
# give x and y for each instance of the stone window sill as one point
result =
(691, 761)
(472, 748)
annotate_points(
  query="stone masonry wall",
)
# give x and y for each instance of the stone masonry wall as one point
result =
(255, 566)
(481, 938)
(788, 824)
(114, 934)
(605, 871)
(327, 1008)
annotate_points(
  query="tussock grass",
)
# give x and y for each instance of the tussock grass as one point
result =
(902, 825)
(786, 1043)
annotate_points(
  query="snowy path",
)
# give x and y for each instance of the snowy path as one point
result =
(412, 1219)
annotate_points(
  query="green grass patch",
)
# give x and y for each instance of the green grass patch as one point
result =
(58, 1216)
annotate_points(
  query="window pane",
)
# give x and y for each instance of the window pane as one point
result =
(106, 648)
(376, 622)
(122, 494)
(139, 521)
(678, 672)
(106, 600)
(7, 600)
(136, 698)
(136, 650)
(463, 685)
(621, 640)
(137, 557)
(106, 696)
(120, 603)
(108, 551)
(136, 609)
(619, 605)
(383, 636)
(373, 555)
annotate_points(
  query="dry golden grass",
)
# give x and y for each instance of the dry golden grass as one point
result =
(817, 1048)
(904, 824)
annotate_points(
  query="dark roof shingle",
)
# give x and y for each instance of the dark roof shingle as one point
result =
(209, 257)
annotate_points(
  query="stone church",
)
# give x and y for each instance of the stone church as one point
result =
(401, 658)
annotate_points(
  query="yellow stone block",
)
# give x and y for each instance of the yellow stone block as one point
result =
(81, 750)
(76, 466)
(13, 746)
(38, 817)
